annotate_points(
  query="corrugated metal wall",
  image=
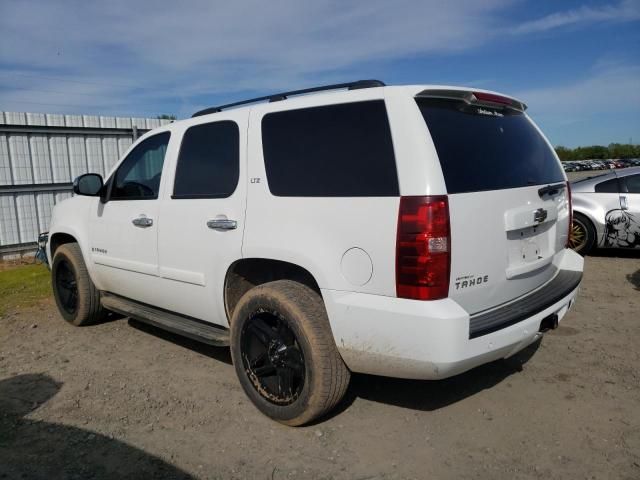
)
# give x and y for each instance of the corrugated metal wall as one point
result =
(41, 154)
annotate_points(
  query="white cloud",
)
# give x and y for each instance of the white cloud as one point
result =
(627, 10)
(124, 57)
(129, 51)
(600, 108)
(299, 35)
(615, 88)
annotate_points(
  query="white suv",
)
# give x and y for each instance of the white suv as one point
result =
(407, 231)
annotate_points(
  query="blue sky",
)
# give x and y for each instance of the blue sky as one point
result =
(575, 63)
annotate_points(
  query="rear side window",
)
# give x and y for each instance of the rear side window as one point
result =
(330, 151)
(209, 161)
(609, 186)
(482, 148)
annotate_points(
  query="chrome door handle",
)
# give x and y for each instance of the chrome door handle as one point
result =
(222, 224)
(142, 221)
(623, 203)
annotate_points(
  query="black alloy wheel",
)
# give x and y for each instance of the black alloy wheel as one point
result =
(272, 358)
(284, 352)
(67, 287)
(76, 296)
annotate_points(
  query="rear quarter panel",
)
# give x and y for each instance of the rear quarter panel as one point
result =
(595, 207)
(316, 232)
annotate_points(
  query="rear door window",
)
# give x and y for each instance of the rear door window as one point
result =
(482, 148)
(340, 150)
(209, 161)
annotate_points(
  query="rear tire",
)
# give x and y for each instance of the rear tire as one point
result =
(76, 296)
(284, 352)
(583, 234)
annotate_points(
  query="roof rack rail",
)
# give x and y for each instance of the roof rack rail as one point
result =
(284, 95)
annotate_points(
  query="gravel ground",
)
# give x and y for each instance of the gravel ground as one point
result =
(123, 400)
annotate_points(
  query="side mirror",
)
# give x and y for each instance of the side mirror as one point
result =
(89, 184)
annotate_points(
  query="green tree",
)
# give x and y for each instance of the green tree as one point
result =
(590, 152)
(564, 153)
(617, 150)
(164, 116)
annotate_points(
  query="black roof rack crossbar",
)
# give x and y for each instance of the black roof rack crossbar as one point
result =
(284, 95)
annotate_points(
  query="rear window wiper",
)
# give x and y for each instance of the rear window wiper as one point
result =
(551, 189)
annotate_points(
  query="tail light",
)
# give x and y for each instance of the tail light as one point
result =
(423, 248)
(568, 244)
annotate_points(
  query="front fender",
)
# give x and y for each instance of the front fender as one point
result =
(69, 217)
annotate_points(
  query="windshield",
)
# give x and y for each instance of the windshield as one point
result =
(484, 148)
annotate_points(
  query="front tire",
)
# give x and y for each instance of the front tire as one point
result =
(76, 296)
(583, 234)
(284, 353)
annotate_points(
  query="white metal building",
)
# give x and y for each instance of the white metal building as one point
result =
(41, 154)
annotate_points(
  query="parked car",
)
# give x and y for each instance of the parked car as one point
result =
(626, 163)
(606, 211)
(599, 165)
(409, 231)
(586, 165)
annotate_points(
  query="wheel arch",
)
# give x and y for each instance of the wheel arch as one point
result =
(598, 226)
(60, 238)
(247, 273)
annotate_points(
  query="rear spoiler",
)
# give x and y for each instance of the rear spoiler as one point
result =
(475, 98)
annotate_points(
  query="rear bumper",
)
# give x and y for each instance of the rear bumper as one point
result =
(431, 340)
(496, 319)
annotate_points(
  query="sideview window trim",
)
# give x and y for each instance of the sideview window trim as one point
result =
(112, 179)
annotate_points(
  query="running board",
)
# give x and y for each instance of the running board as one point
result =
(189, 327)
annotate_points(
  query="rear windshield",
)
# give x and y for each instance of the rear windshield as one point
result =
(482, 148)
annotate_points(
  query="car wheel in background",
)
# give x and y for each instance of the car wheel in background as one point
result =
(583, 235)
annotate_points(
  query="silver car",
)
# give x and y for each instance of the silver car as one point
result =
(606, 211)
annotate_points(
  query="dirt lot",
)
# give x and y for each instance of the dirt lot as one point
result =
(124, 400)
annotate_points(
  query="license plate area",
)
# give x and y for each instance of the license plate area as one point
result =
(529, 248)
